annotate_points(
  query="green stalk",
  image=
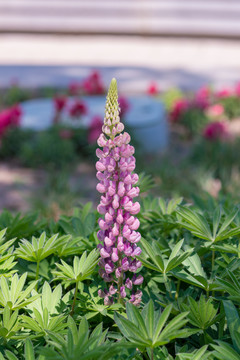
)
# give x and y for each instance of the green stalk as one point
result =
(152, 358)
(213, 260)
(120, 280)
(178, 289)
(37, 273)
(74, 299)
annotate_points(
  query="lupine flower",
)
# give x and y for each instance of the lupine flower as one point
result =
(217, 130)
(77, 109)
(118, 233)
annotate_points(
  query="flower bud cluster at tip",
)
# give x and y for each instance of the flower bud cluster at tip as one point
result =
(118, 233)
(112, 125)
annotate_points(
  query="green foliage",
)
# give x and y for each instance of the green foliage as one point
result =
(13, 295)
(6, 255)
(190, 257)
(48, 149)
(199, 226)
(38, 249)
(81, 270)
(231, 106)
(149, 328)
(79, 343)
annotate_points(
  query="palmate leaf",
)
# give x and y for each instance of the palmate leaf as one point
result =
(18, 226)
(224, 351)
(232, 287)
(49, 299)
(5, 245)
(82, 268)
(44, 312)
(199, 354)
(149, 328)
(233, 321)
(13, 295)
(38, 249)
(202, 313)
(43, 322)
(6, 257)
(195, 223)
(9, 324)
(70, 246)
(79, 343)
(29, 353)
(159, 262)
(199, 226)
(194, 274)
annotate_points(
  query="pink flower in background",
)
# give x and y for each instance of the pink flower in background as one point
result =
(237, 89)
(225, 92)
(77, 109)
(93, 85)
(215, 111)
(9, 118)
(202, 97)
(60, 102)
(179, 107)
(217, 130)
(124, 105)
(153, 89)
(95, 129)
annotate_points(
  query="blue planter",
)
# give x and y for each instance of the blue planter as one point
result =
(146, 118)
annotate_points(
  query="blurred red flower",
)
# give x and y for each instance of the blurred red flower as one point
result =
(93, 85)
(77, 109)
(225, 92)
(153, 89)
(202, 97)
(217, 130)
(95, 129)
(178, 109)
(124, 105)
(10, 117)
(237, 89)
(60, 102)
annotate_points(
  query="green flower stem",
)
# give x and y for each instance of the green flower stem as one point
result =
(74, 299)
(120, 281)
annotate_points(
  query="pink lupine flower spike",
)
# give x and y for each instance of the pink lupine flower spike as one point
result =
(118, 226)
